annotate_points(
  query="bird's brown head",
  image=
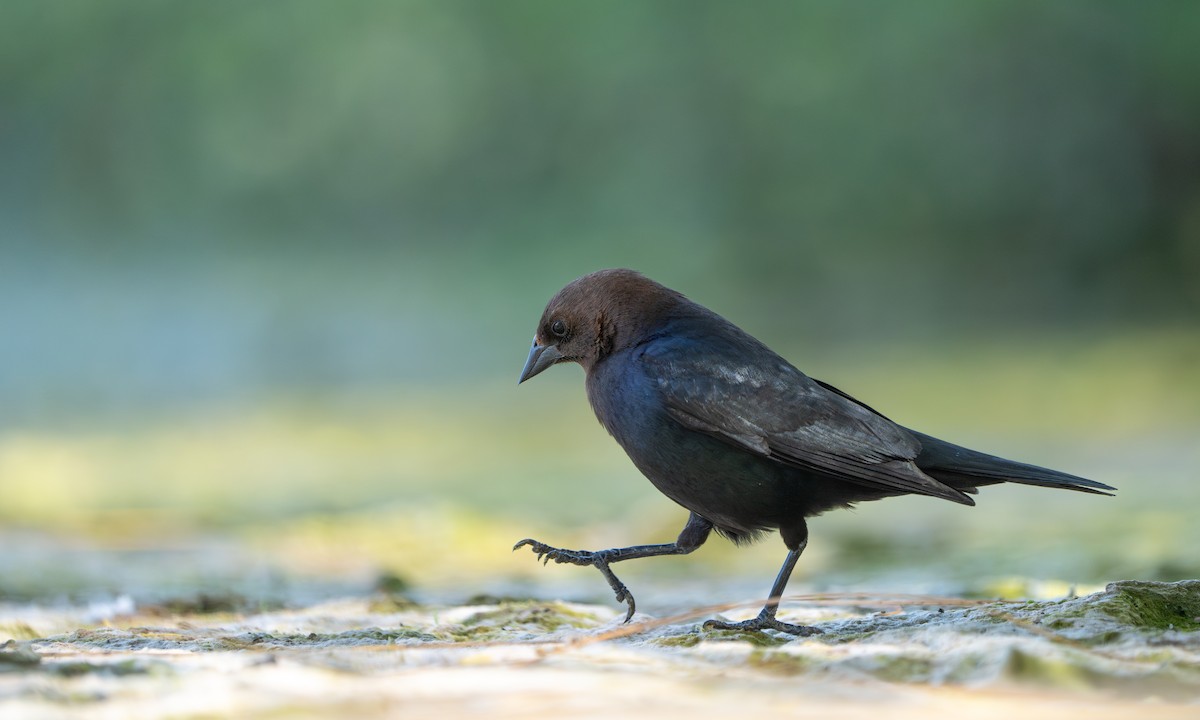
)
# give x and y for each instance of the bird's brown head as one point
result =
(596, 315)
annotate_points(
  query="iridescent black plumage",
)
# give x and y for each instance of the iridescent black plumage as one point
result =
(731, 431)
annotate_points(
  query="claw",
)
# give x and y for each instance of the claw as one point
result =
(629, 610)
(619, 588)
(598, 559)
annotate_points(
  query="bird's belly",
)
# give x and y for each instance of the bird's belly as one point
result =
(737, 491)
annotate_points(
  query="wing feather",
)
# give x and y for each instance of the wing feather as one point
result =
(769, 408)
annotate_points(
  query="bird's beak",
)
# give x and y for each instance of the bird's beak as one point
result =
(540, 358)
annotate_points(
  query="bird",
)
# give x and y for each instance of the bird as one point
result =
(734, 433)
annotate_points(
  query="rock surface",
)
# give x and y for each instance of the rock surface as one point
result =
(1133, 648)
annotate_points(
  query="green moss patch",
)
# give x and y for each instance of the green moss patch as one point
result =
(781, 663)
(1060, 670)
(683, 640)
(523, 617)
(1153, 605)
(1130, 610)
(364, 637)
(757, 638)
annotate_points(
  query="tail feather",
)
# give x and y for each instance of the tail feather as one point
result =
(965, 469)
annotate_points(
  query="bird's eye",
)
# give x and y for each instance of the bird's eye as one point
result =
(559, 328)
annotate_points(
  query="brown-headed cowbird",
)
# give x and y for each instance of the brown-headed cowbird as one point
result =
(733, 432)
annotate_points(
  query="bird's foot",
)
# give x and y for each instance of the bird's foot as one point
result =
(763, 622)
(597, 558)
(545, 553)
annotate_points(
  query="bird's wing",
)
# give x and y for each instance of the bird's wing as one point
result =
(769, 408)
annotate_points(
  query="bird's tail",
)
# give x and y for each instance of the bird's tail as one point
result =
(966, 469)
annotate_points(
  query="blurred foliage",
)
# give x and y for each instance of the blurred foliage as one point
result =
(264, 266)
(202, 199)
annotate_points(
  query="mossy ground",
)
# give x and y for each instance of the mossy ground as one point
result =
(1133, 642)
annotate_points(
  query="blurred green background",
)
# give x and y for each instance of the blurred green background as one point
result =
(268, 272)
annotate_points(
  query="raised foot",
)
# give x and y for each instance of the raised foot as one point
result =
(598, 559)
(545, 553)
(763, 623)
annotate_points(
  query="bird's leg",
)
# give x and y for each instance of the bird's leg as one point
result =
(693, 536)
(766, 618)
